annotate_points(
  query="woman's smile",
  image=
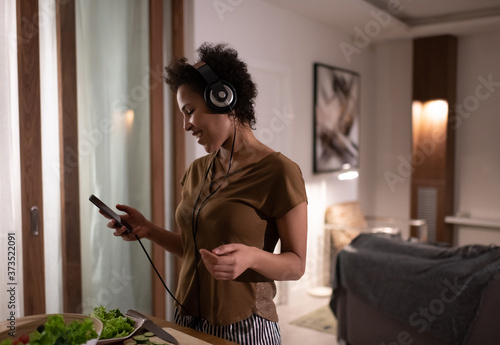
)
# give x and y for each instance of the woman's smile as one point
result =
(197, 135)
(210, 130)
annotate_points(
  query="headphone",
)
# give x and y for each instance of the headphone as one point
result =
(219, 95)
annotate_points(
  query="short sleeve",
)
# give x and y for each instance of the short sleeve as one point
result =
(287, 189)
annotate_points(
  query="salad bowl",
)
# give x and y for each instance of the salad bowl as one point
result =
(13, 329)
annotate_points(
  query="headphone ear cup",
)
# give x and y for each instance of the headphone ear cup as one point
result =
(219, 106)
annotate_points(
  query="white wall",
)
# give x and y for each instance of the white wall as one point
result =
(477, 172)
(477, 167)
(280, 49)
(387, 139)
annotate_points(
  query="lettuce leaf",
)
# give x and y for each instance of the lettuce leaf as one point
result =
(115, 324)
(56, 332)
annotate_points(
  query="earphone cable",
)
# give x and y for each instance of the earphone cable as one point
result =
(196, 215)
(159, 276)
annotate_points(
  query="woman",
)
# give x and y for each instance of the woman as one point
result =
(237, 201)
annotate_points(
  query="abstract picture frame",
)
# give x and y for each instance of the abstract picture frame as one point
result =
(336, 118)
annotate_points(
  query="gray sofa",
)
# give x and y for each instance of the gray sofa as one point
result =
(392, 292)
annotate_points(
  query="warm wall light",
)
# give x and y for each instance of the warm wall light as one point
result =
(416, 110)
(435, 111)
(429, 119)
(348, 175)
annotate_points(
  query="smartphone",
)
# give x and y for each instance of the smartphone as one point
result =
(110, 213)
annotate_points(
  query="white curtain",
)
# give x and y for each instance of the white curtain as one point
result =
(49, 105)
(114, 152)
(10, 185)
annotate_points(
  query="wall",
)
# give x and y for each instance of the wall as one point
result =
(280, 48)
(477, 166)
(388, 140)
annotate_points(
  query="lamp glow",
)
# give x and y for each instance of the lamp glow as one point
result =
(429, 120)
(348, 175)
(129, 118)
(435, 111)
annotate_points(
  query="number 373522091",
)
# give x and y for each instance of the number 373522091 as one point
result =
(11, 257)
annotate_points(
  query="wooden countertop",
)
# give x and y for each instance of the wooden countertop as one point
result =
(198, 335)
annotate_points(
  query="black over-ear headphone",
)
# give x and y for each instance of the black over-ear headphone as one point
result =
(219, 95)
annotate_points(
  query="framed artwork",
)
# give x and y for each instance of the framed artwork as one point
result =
(336, 118)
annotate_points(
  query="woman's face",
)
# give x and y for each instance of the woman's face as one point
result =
(210, 130)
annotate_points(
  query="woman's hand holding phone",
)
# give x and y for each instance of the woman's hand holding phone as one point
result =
(135, 218)
(128, 225)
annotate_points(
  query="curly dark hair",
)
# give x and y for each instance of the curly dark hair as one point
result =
(223, 60)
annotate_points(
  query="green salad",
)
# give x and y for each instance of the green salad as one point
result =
(115, 324)
(57, 332)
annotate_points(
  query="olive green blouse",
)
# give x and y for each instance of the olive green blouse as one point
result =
(242, 211)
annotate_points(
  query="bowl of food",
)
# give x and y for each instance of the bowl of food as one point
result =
(117, 327)
(49, 329)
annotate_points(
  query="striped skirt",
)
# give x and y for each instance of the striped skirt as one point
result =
(254, 330)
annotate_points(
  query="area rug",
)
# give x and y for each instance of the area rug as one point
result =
(321, 319)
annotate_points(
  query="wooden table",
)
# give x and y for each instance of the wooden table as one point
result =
(199, 335)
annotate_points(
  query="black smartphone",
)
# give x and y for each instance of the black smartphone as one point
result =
(110, 213)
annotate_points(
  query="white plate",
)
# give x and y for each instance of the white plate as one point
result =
(29, 324)
(137, 324)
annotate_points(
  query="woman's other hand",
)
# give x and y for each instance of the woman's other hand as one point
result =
(228, 261)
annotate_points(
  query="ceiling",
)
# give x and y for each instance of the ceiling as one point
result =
(409, 18)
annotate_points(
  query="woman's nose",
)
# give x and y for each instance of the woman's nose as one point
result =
(187, 123)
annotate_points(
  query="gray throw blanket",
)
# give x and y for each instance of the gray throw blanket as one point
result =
(434, 289)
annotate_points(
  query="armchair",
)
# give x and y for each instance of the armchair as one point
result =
(345, 221)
